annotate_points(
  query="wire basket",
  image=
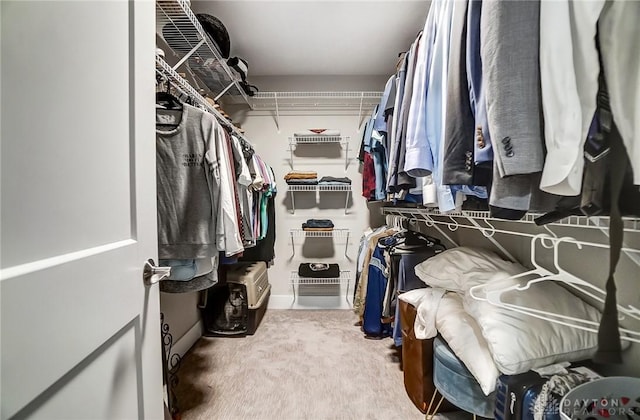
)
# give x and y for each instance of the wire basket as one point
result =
(616, 397)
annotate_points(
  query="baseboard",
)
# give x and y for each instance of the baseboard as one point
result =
(188, 339)
(308, 302)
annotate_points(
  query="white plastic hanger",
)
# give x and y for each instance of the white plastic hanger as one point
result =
(494, 296)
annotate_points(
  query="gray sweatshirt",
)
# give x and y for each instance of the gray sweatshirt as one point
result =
(188, 184)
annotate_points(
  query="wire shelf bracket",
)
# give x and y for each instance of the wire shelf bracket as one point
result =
(332, 101)
(321, 188)
(296, 280)
(183, 33)
(296, 141)
(433, 218)
(335, 233)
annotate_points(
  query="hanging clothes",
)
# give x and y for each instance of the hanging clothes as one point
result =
(372, 324)
(245, 195)
(189, 185)
(482, 146)
(228, 231)
(205, 195)
(366, 255)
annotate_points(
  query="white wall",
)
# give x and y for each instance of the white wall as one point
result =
(273, 146)
(182, 316)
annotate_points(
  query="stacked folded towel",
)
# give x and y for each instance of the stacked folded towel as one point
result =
(301, 178)
(319, 270)
(318, 225)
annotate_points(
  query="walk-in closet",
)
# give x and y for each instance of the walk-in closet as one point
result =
(408, 209)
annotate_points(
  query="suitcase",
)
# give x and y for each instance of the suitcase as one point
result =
(417, 363)
(516, 396)
(515, 393)
(253, 278)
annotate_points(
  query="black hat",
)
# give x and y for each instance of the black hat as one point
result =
(217, 33)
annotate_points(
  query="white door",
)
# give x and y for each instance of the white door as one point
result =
(80, 334)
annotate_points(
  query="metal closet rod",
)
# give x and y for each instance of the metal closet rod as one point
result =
(490, 231)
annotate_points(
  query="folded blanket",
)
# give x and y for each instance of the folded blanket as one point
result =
(332, 180)
(308, 229)
(301, 175)
(318, 223)
(316, 132)
(311, 181)
(319, 270)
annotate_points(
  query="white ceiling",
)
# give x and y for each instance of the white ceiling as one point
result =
(280, 38)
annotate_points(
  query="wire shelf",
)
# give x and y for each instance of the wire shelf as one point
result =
(631, 224)
(296, 141)
(330, 188)
(164, 69)
(317, 139)
(318, 95)
(344, 278)
(303, 188)
(319, 187)
(335, 233)
(304, 100)
(181, 30)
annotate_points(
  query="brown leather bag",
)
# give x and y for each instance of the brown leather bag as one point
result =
(417, 363)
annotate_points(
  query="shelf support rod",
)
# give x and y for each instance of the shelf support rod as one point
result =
(346, 153)
(293, 202)
(224, 91)
(293, 246)
(445, 235)
(492, 240)
(346, 203)
(293, 289)
(346, 292)
(346, 247)
(360, 111)
(604, 228)
(290, 151)
(188, 55)
(275, 97)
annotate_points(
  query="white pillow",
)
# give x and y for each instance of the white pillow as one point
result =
(520, 342)
(460, 268)
(464, 336)
(413, 297)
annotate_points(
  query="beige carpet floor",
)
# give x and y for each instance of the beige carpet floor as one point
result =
(299, 365)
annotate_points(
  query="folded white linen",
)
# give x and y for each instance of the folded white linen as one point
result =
(425, 324)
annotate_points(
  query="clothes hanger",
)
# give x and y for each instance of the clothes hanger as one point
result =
(578, 323)
(562, 276)
(414, 238)
(494, 296)
(168, 100)
(395, 223)
(538, 270)
(579, 284)
(165, 101)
